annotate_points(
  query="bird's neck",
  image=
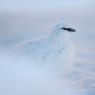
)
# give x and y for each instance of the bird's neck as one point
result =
(59, 36)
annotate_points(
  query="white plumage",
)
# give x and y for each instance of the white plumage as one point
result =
(56, 51)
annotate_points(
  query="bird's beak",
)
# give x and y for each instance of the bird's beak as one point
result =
(69, 29)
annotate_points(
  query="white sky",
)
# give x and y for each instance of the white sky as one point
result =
(43, 5)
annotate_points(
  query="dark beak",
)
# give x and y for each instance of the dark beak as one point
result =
(69, 29)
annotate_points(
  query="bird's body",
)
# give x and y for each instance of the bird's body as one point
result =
(53, 51)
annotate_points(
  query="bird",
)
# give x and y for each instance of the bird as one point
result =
(55, 51)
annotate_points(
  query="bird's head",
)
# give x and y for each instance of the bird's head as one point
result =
(62, 31)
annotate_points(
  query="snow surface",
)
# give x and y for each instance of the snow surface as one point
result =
(20, 77)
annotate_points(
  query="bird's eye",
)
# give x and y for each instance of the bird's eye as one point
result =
(69, 29)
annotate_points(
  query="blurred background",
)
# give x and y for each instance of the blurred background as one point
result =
(21, 19)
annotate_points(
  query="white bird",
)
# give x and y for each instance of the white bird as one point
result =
(54, 51)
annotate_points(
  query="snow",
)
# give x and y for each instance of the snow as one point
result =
(19, 77)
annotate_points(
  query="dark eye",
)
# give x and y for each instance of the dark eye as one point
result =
(69, 29)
